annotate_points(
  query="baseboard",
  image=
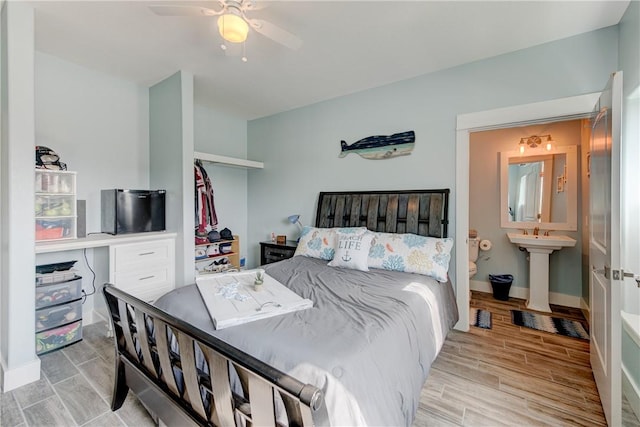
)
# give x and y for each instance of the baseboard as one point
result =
(586, 311)
(22, 375)
(98, 316)
(565, 300)
(523, 293)
(87, 317)
(631, 390)
(480, 286)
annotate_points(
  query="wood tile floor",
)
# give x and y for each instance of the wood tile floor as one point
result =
(512, 376)
(74, 389)
(504, 376)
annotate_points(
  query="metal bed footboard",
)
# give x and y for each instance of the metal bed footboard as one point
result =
(175, 389)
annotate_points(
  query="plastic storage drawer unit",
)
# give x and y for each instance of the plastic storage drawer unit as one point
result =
(58, 293)
(48, 206)
(55, 205)
(55, 182)
(56, 338)
(49, 229)
(58, 315)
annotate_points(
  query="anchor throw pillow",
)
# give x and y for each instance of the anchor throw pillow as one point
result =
(352, 251)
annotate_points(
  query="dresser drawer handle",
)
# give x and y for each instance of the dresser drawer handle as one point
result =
(276, 253)
(146, 253)
(147, 277)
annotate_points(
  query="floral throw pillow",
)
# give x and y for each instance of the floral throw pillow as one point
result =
(352, 251)
(412, 254)
(320, 242)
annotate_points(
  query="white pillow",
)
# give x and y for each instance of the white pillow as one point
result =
(352, 251)
(411, 253)
(320, 242)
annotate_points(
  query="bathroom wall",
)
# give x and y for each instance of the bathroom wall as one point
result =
(585, 203)
(484, 211)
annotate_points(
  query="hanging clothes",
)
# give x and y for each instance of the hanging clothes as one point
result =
(205, 210)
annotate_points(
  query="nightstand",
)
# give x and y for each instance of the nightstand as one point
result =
(272, 252)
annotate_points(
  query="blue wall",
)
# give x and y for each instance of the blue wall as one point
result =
(300, 147)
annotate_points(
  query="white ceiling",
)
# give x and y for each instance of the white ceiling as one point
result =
(349, 46)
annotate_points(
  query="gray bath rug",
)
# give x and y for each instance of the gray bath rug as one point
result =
(479, 318)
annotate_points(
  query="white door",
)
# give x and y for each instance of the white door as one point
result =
(605, 248)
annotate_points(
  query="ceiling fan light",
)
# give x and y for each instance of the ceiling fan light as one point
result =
(233, 28)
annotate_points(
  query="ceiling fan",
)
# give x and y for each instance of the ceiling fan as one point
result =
(233, 22)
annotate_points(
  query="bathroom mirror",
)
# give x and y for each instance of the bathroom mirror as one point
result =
(539, 189)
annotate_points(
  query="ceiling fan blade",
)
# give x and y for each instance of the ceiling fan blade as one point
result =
(275, 33)
(252, 5)
(183, 10)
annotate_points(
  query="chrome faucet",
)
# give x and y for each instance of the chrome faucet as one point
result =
(536, 231)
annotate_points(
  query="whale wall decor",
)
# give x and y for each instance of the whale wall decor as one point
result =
(381, 146)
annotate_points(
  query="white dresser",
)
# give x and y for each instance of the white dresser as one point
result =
(146, 270)
(142, 264)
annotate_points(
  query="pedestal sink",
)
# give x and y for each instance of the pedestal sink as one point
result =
(539, 248)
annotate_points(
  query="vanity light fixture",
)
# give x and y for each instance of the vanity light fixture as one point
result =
(534, 140)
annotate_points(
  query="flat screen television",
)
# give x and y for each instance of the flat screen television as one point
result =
(132, 211)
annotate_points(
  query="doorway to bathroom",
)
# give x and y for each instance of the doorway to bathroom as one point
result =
(563, 109)
(519, 116)
(538, 188)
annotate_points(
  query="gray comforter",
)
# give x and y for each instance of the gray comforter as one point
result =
(368, 341)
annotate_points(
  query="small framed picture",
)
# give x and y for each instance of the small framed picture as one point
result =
(281, 240)
(560, 184)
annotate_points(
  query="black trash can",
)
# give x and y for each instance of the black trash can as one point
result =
(501, 284)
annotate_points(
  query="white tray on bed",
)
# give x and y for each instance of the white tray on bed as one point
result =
(232, 300)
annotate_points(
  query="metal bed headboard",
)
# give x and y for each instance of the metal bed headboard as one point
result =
(423, 212)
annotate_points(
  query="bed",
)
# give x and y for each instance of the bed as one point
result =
(360, 356)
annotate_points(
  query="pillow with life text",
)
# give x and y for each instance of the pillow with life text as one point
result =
(352, 251)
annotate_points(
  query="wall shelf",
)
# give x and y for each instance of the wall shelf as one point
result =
(230, 161)
(100, 240)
